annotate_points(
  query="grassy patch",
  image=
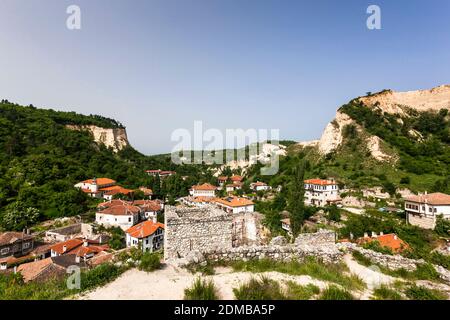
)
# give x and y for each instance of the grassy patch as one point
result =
(415, 292)
(386, 293)
(201, 289)
(295, 291)
(335, 293)
(150, 262)
(316, 269)
(424, 271)
(259, 289)
(12, 286)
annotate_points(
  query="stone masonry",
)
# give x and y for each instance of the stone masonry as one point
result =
(188, 229)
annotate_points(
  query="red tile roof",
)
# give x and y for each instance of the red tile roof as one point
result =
(11, 237)
(222, 178)
(236, 178)
(121, 210)
(436, 198)
(205, 187)
(391, 241)
(234, 202)
(112, 203)
(144, 229)
(100, 181)
(69, 244)
(151, 205)
(320, 182)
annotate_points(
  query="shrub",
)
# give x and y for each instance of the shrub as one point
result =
(259, 289)
(201, 290)
(415, 292)
(99, 276)
(386, 293)
(150, 262)
(335, 293)
(295, 291)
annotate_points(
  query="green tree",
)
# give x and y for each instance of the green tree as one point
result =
(17, 217)
(296, 199)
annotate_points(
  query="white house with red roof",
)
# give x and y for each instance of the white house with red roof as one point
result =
(122, 215)
(259, 186)
(203, 190)
(102, 188)
(321, 192)
(235, 204)
(422, 210)
(147, 235)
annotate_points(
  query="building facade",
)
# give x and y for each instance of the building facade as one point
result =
(320, 192)
(422, 210)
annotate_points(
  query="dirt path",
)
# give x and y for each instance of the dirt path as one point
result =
(372, 276)
(169, 284)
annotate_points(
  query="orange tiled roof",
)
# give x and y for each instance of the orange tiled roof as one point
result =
(234, 201)
(205, 187)
(31, 270)
(147, 191)
(70, 245)
(259, 184)
(222, 178)
(320, 182)
(121, 210)
(148, 204)
(144, 229)
(436, 198)
(117, 191)
(83, 251)
(391, 241)
(100, 181)
(236, 178)
(11, 237)
(112, 203)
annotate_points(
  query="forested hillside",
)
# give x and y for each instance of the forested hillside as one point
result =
(41, 160)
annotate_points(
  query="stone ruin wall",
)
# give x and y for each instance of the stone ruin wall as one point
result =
(189, 229)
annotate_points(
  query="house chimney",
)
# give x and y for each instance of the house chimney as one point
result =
(64, 248)
(154, 219)
(15, 269)
(85, 243)
(381, 233)
(351, 236)
(395, 237)
(366, 235)
(374, 234)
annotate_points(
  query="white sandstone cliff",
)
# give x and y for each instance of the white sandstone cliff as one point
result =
(115, 138)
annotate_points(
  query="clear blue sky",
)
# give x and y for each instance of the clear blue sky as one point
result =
(158, 65)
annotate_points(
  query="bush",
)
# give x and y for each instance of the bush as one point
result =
(99, 276)
(335, 293)
(201, 290)
(415, 292)
(386, 293)
(299, 292)
(150, 262)
(259, 289)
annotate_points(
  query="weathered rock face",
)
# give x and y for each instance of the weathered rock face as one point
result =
(390, 102)
(112, 138)
(332, 135)
(422, 100)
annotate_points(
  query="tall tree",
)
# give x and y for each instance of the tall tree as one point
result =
(296, 198)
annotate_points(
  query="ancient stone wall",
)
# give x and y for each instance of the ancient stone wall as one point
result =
(321, 237)
(188, 229)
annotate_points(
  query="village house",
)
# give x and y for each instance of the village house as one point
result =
(14, 245)
(203, 190)
(122, 215)
(82, 249)
(102, 188)
(320, 192)
(422, 210)
(197, 201)
(259, 186)
(160, 173)
(390, 241)
(236, 179)
(222, 180)
(147, 235)
(233, 186)
(149, 208)
(235, 204)
(147, 192)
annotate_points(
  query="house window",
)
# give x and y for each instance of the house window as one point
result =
(4, 251)
(129, 219)
(26, 245)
